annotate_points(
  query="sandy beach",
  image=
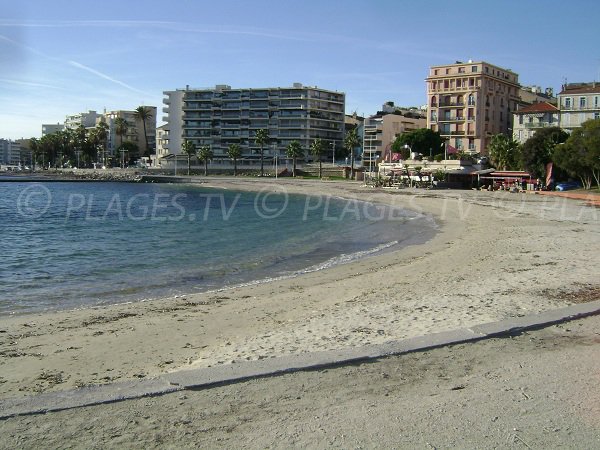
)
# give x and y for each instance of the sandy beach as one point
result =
(495, 255)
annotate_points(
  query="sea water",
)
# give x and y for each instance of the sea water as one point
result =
(68, 245)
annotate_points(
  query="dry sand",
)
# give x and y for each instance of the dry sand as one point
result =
(537, 390)
(496, 255)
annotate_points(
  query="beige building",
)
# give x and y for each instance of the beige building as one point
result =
(470, 102)
(532, 118)
(135, 130)
(578, 102)
(381, 130)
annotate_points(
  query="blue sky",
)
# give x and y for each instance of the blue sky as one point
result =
(60, 57)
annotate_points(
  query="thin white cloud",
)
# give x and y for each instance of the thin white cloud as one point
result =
(104, 76)
(30, 84)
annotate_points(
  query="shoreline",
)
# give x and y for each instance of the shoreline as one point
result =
(494, 257)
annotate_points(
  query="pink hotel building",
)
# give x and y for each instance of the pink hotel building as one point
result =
(470, 102)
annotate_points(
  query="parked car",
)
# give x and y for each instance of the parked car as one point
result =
(568, 185)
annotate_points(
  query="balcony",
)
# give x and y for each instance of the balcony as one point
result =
(457, 133)
(455, 104)
(539, 124)
(452, 119)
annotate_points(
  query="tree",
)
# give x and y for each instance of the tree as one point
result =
(294, 151)
(317, 149)
(234, 152)
(205, 154)
(101, 135)
(189, 149)
(579, 156)
(262, 138)
(351, 141)
(504, 153)
(144, 113)
(121, 128)
(537, 150)
(129, 147)
(423, 141)
(34, 146)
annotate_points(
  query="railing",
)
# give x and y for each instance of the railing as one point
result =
(579, 108)
(540, 124)
(442, 104)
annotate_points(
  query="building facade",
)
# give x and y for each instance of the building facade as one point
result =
(87, 119)
(10, 153)
(135, 130)
(381, 130)
(532, 118)
(470, 102)
(51, 128)
(578, 102)
(221, 116)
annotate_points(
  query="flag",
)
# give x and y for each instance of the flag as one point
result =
(396, 156)
(451, 149)
(549, 174)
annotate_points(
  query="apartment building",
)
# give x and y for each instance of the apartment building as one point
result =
(51, 128)
(469, 102)
(381, 130)
(532, 118)
(10, 153)
(221, 116)
(135, 130)
(578, 102)
(87, 119)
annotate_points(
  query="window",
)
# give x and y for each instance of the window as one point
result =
(435, 72)
(596, 116)
(461, 70)
(567, 102)
(521, 119)
(596, 101)
(471, 100)
(582, 102)
(433, 101)
(447, 71)
(473, 69)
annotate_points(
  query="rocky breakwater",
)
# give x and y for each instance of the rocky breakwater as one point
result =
(102, 175)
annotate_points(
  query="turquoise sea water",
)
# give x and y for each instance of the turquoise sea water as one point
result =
(67, 245)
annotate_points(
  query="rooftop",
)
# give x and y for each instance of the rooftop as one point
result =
(537, 108)
(580, 88)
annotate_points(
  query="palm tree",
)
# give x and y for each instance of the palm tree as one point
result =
(317, 149)
(294, 150)
(234, 152)
(262, 138)
(205, 154)
(101, 134)
(351, 142)
(189, 149)
(143, 113)
(34, 145)
(121, 128)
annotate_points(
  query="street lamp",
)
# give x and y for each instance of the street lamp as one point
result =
(333, 152)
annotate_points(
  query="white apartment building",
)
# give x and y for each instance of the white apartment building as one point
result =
(222, 116)
(87, 119)
(381, 130)
(532, 118)
(51, 128)
(578, 102)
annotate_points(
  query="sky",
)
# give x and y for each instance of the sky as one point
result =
(62, 57)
